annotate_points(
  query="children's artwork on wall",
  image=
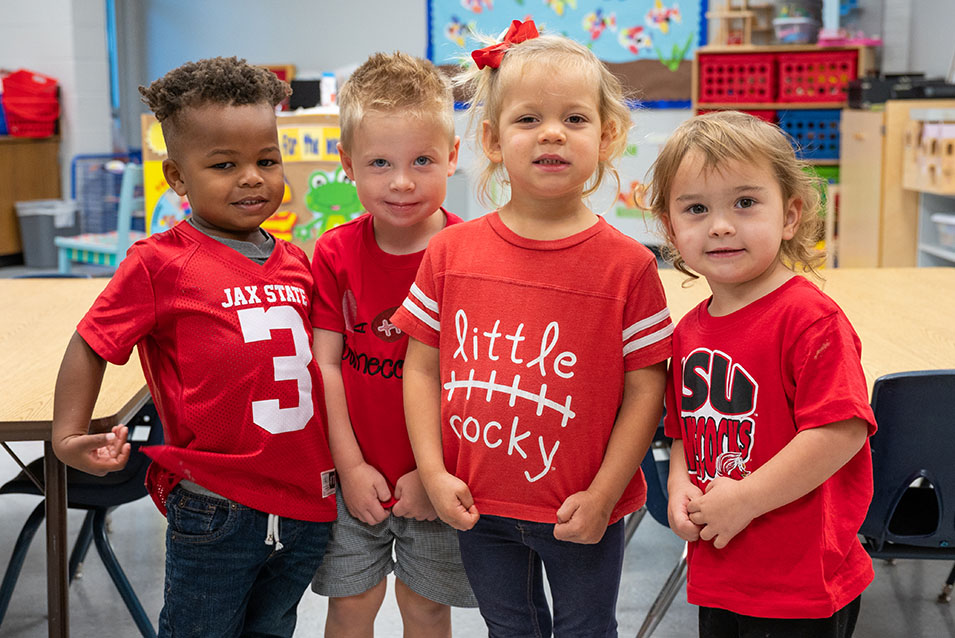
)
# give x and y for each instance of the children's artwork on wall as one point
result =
(318, 194)
(649, 44)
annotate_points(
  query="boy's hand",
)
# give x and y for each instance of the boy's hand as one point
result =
(677, 512)
(582, 518)
(97, 454)
(723, 511)
(412, 500)
(452, 501)
(364, 489)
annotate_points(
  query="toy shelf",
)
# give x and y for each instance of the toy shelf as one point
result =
(928, 159)
(800, 87)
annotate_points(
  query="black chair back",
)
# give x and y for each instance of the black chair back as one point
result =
(913, 462)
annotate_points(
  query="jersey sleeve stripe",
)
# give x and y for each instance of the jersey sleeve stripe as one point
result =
(423, 316)
(643, 324)
(648, 340)
(425, 300)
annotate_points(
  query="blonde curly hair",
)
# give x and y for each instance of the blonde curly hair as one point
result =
(722, 136)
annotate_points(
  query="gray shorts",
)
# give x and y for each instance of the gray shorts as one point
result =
(426, 558)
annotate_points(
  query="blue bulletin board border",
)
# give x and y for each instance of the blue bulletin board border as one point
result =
(592, 9)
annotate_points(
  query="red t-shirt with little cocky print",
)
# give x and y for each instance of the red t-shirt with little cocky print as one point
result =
(741, 387)
(358, 287)
(534, 339)
(225, 345)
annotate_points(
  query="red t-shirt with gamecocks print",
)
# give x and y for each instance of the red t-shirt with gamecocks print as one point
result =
(358, 287)
(741, 387)
(534, 339)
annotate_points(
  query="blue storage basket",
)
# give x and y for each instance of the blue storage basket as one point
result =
(814, 132)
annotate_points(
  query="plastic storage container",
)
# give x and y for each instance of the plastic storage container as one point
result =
(945, 225)
(821, 76)
(40, 221)
(737, 78)
(815, 133)
(30, 104)
(796, 30)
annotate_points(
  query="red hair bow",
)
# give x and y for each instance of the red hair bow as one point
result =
(518, 32)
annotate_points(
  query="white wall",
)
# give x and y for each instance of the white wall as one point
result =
(65, 39)
(932, 47)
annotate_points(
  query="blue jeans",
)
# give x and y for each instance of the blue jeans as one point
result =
(503, 558)
(222, 580)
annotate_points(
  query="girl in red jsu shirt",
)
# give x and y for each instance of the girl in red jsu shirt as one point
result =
(535, 371)
(770, 470)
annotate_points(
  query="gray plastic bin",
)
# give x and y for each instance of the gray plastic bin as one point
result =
(40, 221)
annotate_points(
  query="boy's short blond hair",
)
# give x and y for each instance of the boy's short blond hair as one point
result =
(395, 83)
(227, 81)
(730, 135)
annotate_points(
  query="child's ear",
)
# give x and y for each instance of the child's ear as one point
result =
(170, 170)
(607, 134)
(453, 156)
(491, 142)
(792, 217)
(347, 164)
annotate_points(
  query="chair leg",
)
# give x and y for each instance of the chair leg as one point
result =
(18, 556)
(81, 547)
(670, 589)
(105, 550)
(633, 521)
(946, 595)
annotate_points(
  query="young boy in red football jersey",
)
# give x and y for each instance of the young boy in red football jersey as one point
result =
(220, 312)
(398, 145)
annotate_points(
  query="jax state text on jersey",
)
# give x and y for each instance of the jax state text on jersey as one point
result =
(273, 293)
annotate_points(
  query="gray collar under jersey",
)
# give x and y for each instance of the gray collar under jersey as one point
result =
(259, 253)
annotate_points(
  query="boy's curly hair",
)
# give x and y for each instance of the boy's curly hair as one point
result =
(230, 81)
(395, 83)
(723, 136)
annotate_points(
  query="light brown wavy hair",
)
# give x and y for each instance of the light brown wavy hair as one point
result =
(487, 88)
(400, 84)
(722, 136)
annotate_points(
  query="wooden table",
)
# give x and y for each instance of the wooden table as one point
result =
(37, 318)
(904, 316)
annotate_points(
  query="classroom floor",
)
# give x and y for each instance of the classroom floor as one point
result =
(901, 602)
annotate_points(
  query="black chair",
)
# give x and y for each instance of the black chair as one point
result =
(912, 514)
(98, 496)
(656, 469)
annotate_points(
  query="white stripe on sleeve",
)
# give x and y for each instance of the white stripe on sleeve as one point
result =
(425, 300)
(643, 324)
(416, 310)
(648, 340)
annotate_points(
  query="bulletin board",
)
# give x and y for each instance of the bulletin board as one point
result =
(318, 194)
(649, 44)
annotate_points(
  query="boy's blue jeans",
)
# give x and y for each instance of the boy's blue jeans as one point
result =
(503, 558)
(222, 580)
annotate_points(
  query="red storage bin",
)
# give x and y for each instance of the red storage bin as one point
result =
(25, 83)
(817, 76)
(30, 116)
(31, 103)
(737, 78)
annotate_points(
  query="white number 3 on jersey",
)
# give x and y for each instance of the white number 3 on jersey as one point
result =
(257, 325)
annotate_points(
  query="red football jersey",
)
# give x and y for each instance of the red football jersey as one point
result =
(358, 287)
(534, 340)
(225, 345)
(741, 387)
